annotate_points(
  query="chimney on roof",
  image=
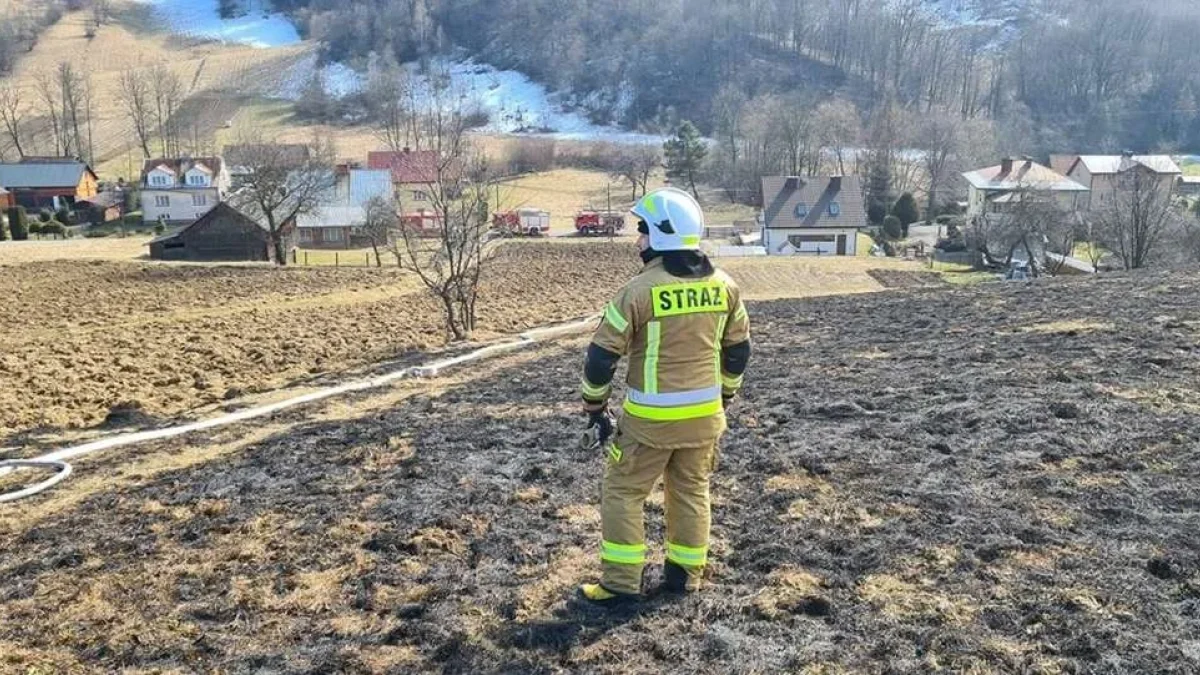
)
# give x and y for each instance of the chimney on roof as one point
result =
(835, 182)
(1127, 153)
(1006, 165)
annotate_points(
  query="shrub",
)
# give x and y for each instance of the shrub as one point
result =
(45, 215)
(892, 229)
(55, 228)
(132, 219)
(159, 228)
(876, 211)
(64, 216)
(905, 209)
(35, 227)
(18, 223)
(3, 229)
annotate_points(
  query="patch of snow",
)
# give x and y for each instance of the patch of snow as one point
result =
(340, 80)
(514, 103)
(258, 26)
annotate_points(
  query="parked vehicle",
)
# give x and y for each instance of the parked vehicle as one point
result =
(528, 222)
(589, 223)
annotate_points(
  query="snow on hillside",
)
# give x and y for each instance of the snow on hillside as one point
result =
(200, 18)
(513, 102)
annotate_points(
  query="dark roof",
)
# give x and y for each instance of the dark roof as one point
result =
(241, 155)
(406, 166)
(52, 174)
(222, 208)
(784, 195)
(181, 165)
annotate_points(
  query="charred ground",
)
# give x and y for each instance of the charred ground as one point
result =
(1000, 479)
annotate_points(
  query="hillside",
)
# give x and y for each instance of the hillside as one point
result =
(993, 480)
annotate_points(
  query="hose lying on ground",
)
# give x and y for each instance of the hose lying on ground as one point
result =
(58, 459)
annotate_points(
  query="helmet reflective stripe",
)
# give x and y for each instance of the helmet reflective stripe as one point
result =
(675, 220)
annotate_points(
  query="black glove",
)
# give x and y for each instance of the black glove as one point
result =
(602, 424)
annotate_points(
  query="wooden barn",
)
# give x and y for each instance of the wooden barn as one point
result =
(223, 234)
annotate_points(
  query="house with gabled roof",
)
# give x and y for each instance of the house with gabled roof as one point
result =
(48, 182)
(996, 189)
(414, 173)
(181, 189)
(813, 215)
(221, 234)
(1100, 173)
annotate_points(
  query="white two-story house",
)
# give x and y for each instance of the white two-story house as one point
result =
(179, 191)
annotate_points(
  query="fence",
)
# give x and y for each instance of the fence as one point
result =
(340, 258)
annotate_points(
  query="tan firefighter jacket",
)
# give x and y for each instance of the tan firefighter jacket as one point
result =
(673, 330)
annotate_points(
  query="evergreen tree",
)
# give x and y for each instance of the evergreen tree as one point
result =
(18, 223)
(892, 229)
(905, 210)
(876, 211)
(685, 154)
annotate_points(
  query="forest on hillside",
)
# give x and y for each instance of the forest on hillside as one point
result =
(1085, 75)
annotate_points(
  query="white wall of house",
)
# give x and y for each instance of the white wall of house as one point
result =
(811, 241)
(177, 205)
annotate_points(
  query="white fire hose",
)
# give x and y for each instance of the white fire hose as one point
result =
(58, 459)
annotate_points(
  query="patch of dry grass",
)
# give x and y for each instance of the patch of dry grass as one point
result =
(917, 600)
(777, 277)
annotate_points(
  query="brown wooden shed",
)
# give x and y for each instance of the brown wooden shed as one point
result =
(223, 234)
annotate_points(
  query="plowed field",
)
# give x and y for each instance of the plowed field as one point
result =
(83, 338)
(991, 480)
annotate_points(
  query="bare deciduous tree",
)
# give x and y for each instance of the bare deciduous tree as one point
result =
(1032, 223)
(138, 102)
(634, 163)
(381, 225)
(166, 92)
(12, 114)
(282, 184)
(840, 129)
(450, 259)
(50, 95)
(1134, 219)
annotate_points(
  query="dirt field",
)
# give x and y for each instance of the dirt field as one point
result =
(108, 248)
(989, 480)
(84, 338)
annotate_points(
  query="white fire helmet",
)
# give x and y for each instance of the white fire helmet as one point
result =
(673, 220)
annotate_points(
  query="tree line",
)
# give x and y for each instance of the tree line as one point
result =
(1094, 75)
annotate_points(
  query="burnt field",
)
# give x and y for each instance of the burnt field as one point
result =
(999, 479)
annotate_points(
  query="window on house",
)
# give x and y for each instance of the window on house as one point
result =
(305, 234)
(162, 201)
(801, 210)
(419, 196)
(798, 239)
(196, 180)
(199, 200)
(835, 209)
(159, 180)
(333, 234)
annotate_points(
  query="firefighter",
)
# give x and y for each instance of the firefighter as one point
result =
(685, 330)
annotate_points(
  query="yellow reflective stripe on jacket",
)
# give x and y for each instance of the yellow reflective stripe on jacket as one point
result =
(677, 414)
(693, 298)
(593, 391)
(613, 316)
(688, 556)
(650, 367)
(624, 554)
(720, 336)
(731, 381)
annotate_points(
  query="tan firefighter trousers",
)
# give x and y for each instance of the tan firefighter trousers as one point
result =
(632, 471)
